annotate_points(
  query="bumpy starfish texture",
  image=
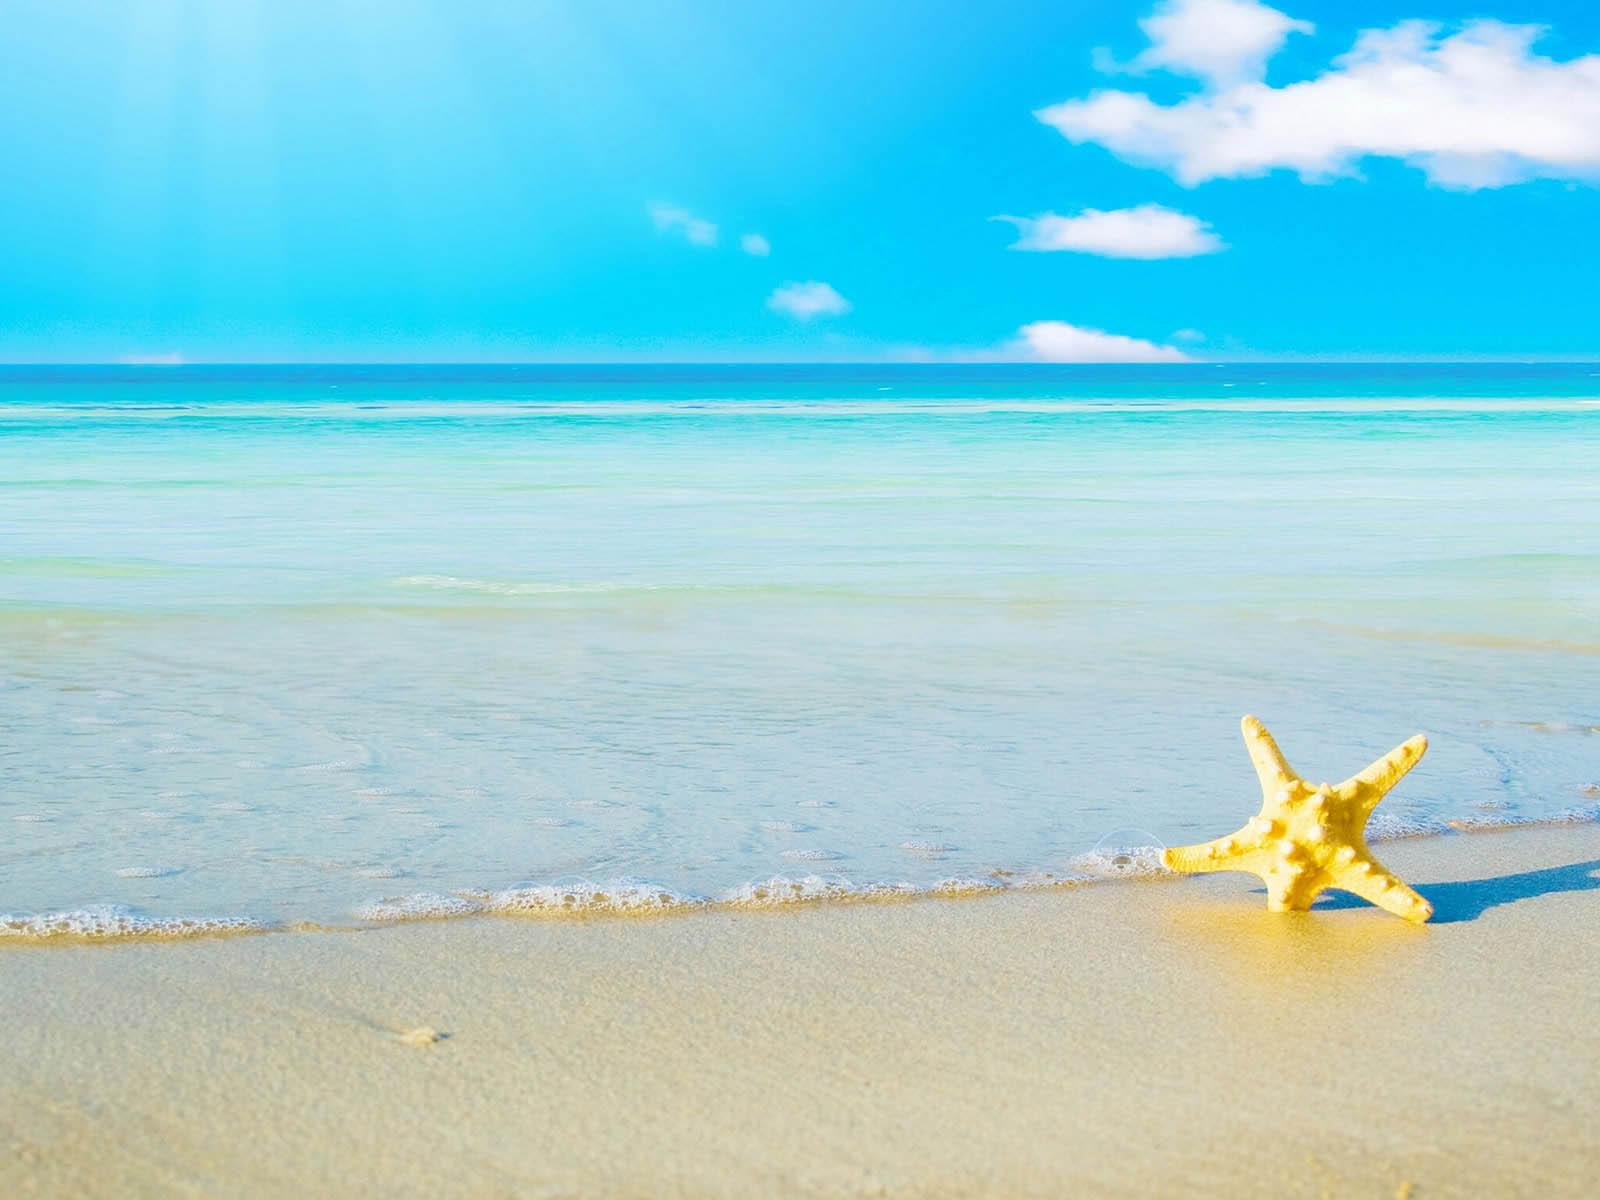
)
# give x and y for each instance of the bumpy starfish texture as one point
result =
(1309, 838)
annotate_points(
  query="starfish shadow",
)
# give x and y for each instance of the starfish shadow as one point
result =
(1469, 899)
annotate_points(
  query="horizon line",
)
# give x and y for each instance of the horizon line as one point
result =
(157, 366)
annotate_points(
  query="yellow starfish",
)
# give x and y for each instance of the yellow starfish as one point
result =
(1306, 838)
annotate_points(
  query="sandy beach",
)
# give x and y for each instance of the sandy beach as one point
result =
(1157, 1038)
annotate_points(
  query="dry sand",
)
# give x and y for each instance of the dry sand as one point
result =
(1131, 1039)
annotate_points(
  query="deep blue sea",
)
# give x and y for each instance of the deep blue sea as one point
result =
(346, 644)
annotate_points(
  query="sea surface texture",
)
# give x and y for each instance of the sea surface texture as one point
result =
(337, 645)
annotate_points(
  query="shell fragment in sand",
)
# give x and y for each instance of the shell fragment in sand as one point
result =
(1308, 838)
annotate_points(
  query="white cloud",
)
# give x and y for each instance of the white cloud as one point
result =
(1218, 41)
(1473, 109)
(1148, 231)
(754, 243)
(1188, 335)
(1056, 341)
(680, 220)
(806, 300)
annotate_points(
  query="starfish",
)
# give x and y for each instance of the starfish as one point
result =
(1308, 838)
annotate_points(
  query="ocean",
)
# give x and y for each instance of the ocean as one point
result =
(287, 646)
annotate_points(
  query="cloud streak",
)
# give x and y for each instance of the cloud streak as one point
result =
(1055, 342)
(669, 219)
(754, 243)
(1149, 231)
(1059, 342)
(1475, 108)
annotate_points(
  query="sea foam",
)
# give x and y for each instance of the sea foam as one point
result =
(631, 896)
(419, 906)
(107, 921)
(780, 890)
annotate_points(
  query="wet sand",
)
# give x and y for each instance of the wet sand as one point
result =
(1159, 1038)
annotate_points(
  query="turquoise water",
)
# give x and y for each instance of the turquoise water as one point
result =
(343, 644)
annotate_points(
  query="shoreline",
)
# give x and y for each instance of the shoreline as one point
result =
(115, 924)
(1100, 1040)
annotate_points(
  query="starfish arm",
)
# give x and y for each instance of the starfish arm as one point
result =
(1221, 854)
(1372, 783)
(1290, 893)
(1377, 886)
(1272, 768)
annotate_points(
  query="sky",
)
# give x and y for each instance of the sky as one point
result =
(844, 180)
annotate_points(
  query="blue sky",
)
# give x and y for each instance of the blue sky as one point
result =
(538, 180)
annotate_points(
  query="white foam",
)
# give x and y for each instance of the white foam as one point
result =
(31, 818)
(784, 827)
(922, 847)
(1122, 862)
(631, 896)
(146, 872)
(1387, 827)
(416, 907)
(965, 886)
(379, 872)
(116, 921)
(783, 889)
(811, 855)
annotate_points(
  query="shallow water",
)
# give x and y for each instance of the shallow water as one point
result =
(316, 644)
